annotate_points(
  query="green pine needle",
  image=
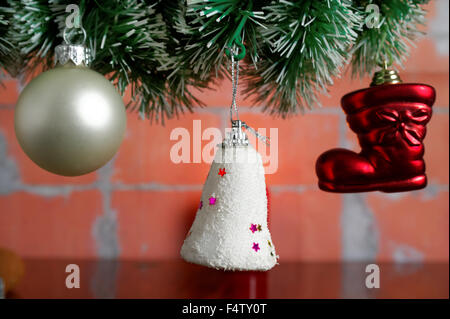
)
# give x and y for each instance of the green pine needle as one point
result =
(392, 40)
(305, 46)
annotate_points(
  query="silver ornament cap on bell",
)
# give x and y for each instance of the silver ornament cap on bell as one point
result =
(70, 120)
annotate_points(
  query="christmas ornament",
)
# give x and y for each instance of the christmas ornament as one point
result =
(390, 120)
(70, 120)
(231, 233)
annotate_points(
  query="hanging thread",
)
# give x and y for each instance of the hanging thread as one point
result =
(234, 81)
(233, 107)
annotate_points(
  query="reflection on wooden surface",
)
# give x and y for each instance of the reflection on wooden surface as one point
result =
(177, 279)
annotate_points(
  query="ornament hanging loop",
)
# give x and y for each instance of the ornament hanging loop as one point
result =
(386, 75)
(234, 53)
(385, 62)
(236, 38)
(73, 21)
(68, 40)
(77, 53)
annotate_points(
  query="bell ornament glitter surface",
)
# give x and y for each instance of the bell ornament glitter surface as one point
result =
(230, 230)
(390, 120)
(70, 120)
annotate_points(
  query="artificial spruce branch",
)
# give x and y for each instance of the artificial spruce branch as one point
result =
(7, 53)
(216, 26)
(160, 50)
(305, 46)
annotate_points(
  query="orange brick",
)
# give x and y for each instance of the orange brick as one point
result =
(29, 172)
(127, 98)
(153, 225)
(424, 58)
(302, 230)
(144, 156)
(35, 226)
(437, 149)
(437, 80)
(8, 92)
(430, 9)
(306, 226)
(220, 94)
(301, 140)
(342, 86)
(351, 140)
(412, 224)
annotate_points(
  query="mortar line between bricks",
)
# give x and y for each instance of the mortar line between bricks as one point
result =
(105, 226)
(216, 109)
(6, 107)
(257, 110)
(441, 110)
(333, 110)
(46, 190)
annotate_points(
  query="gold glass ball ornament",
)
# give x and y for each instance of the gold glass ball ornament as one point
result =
(70, 120)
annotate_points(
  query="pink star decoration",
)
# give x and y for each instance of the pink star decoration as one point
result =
(212, 200)
(200, 205)
(222, 172)
(255, 247)
(253, 228)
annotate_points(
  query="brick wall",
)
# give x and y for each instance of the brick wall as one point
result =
(140, 205)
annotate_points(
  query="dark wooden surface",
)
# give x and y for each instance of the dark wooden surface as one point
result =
(178, 279)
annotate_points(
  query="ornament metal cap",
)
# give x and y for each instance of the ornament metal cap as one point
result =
(237, 136)
(76, 53)
(385, 76)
